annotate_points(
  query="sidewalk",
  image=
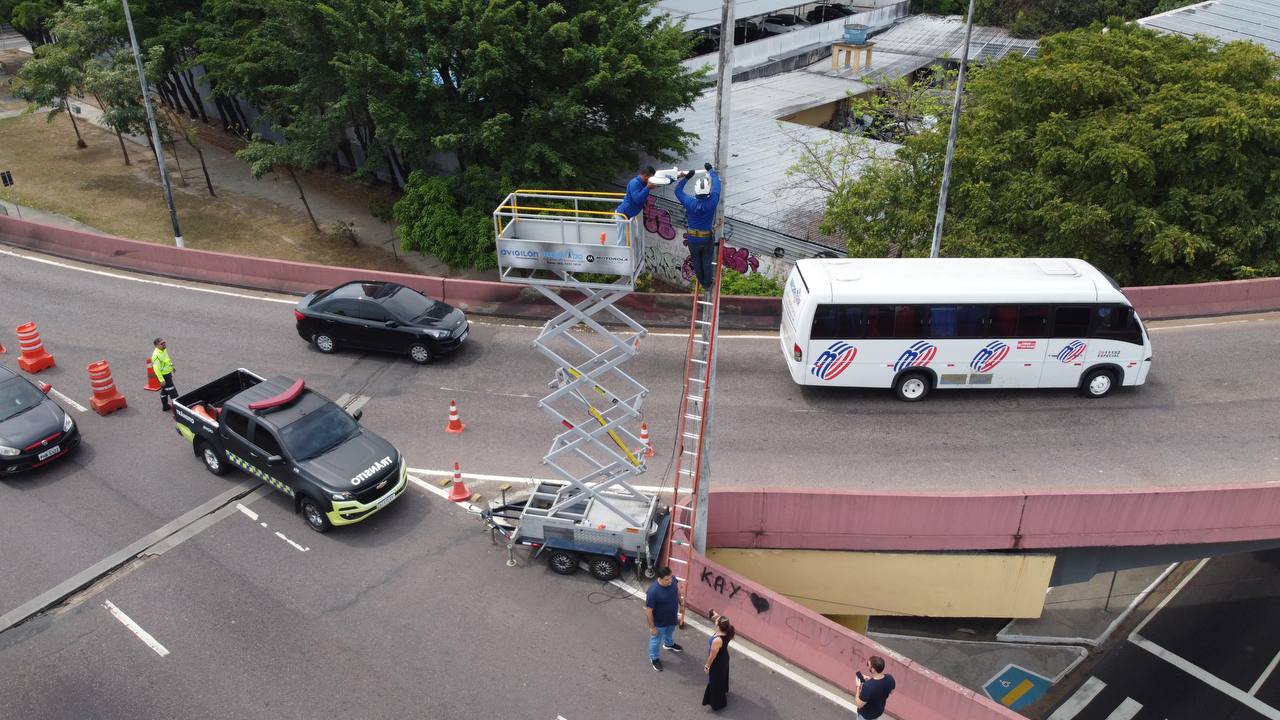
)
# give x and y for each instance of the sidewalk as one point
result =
(1027, 657)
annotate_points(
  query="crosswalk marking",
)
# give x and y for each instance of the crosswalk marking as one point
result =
(1126, 711)
(1082, 697)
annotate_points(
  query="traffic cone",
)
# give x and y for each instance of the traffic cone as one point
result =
(2, 350)
(106, 398)
(153, 383)
(458, 492)
(644, 438)
(34, 357)
(455, 425)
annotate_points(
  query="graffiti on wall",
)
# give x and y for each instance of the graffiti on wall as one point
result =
(729, 588)
(666, 252)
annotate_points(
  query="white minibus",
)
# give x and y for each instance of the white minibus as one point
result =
(920, 324)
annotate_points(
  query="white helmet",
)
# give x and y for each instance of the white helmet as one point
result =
(702, 185)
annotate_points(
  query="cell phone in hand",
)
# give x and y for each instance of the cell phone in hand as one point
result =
(858, 675)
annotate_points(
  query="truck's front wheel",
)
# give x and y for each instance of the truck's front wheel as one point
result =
(212, 461)
(314, 515)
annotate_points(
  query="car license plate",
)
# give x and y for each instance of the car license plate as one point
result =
(386, 500)
(49, 453)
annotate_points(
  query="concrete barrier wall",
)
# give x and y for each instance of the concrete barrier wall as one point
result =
(830, 651)
(495, 298)
(484, 297)
(828, 520)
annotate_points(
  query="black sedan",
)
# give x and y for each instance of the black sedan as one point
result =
(34, 430)
(384, 316)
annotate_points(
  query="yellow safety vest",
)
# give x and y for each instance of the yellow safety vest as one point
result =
(160, 363)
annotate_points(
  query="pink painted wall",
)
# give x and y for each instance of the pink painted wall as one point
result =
(830, 651)
(492, 298)
(831, 520)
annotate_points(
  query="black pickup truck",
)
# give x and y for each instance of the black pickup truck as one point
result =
(296, 440)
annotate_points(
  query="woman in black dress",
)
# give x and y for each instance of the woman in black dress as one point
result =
(717, 667)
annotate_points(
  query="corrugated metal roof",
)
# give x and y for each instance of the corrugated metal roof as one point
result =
(705, 13)
(1227, 20)
(943, 37)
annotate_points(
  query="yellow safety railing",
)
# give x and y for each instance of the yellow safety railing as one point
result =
(514, 208)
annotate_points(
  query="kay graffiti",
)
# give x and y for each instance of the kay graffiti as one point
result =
(666, 253)
(732, 590)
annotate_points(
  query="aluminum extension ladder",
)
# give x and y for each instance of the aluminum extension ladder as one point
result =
(692, 429)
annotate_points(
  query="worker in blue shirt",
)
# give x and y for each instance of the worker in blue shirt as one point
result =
(634, 201)
(701, 216)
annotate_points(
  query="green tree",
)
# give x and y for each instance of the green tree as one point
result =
(1154, 156)
(433, 221)
(49, 79)
(31, 18)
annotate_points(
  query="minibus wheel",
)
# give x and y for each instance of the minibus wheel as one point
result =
(912, 387)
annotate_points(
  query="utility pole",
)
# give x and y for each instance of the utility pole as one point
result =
(724, 89)
(951, 139)
(151, 122)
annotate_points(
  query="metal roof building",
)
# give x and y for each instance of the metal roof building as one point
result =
(1227, 20)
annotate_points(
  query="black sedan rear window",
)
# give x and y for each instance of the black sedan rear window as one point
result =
(17, 396)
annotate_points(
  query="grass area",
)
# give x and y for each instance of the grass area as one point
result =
(94, 187)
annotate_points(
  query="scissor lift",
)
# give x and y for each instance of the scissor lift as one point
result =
(557, 241)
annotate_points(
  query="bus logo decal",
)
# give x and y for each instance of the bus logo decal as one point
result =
(918, 355)
(989, 357)
(1071, 351)
(833, 361)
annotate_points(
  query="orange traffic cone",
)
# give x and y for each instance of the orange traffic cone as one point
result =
(458, 492)
(644, 438)
(455, 425)
(153, 383)
(34, 357)
(2, 350)
(106, 398)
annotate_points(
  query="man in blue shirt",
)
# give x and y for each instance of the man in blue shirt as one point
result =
(871, 693)
(701, 217)
(634, 201)
(663, 607)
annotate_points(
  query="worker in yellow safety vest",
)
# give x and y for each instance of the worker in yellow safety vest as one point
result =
(163, 368)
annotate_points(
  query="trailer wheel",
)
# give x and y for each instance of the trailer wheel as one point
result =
(563, 562)
(212, 462)
(603, 567)
(650, 572)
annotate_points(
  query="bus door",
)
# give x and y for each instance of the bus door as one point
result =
(1068, 346)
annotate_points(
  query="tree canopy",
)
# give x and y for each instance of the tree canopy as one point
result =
(1154, 156)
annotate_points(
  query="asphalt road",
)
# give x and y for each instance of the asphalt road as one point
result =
(414, 611)
(1211, 652)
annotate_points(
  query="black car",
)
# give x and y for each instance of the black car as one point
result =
(825, 12)
(374, 315)
(34, 430)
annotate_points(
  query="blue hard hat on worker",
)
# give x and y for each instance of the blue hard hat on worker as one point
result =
(700, 210)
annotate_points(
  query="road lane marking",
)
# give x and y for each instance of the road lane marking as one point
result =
(1127, 710)
(1078, 700)
(513, 479)
(68, 400)
(1199, 566)
(1206, 677)
(1265, 674)
(252, 515)
(143, 635)
(296, 545)
(489, 392)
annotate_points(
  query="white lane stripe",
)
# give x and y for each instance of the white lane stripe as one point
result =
(1126, 711)
(1199, 566)
(296, 545)
(469, 507)
(1205, 677)
(488, 392)
(252, 515)
(1079, 700)
(742, 648)
(513, 479)
(147, 281)
(68, 400)
(1265, 674)
(143, 635)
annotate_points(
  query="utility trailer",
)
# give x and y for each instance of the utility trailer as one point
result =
(610, 531)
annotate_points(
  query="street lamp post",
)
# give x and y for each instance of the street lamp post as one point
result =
(951, 139)
(151, 122)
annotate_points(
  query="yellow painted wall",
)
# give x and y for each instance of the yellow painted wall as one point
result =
(815, 116)
(878, 583)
